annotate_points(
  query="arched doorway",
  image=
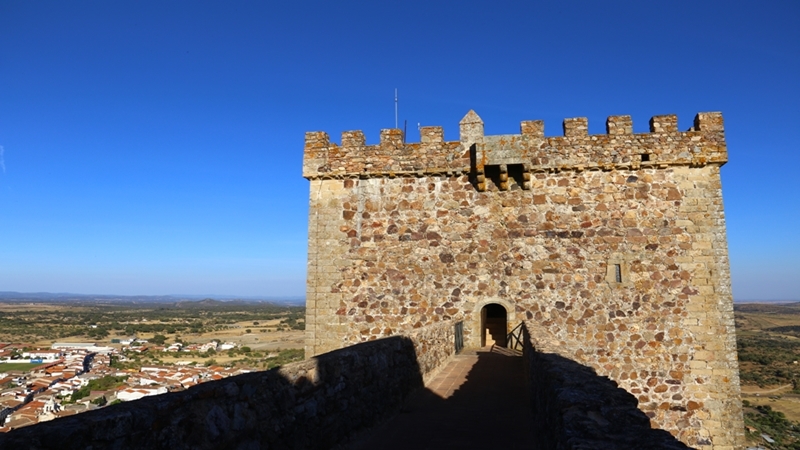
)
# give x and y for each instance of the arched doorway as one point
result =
(494, 319)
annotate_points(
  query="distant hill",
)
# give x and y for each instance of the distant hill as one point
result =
(769, 308)
(176, 300)
(212, 303)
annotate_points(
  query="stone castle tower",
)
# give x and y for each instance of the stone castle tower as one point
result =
(611, 248)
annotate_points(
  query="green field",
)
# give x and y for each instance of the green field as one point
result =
(8, 367)
(768, 341)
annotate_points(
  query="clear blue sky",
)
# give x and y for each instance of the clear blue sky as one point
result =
(155, 147)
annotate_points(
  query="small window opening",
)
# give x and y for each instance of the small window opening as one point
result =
(645, 157)
(618, 273)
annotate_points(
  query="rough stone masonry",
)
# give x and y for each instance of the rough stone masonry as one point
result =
(610, 247)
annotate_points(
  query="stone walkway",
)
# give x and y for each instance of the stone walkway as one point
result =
(477, 401)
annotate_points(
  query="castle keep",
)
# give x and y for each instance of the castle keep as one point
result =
(610, 248)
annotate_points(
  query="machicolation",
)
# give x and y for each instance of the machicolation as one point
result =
(611, 249)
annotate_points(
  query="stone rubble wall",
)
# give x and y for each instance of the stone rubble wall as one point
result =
(434, 346)
(313, 404)
(390, 253)
(574, 408)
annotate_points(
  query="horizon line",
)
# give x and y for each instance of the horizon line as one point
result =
(6, 294)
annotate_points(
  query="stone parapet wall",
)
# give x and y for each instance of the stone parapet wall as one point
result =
(434, 345)
(575, 409)
(313, 404)
(391, 157)
(702, 144)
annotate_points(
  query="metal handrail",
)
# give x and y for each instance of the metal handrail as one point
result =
(514, 338)
(459, 336)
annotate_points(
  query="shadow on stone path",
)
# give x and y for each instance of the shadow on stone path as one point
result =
(477, 401)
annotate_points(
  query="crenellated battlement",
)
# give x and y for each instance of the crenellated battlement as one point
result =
(619, 148)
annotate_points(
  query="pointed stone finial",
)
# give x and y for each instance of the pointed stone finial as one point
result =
(471, 117)
(471, 129)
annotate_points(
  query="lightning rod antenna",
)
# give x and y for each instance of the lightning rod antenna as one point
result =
(395, 108)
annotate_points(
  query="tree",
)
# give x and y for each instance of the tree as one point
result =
(100, 384)
(159, 339)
